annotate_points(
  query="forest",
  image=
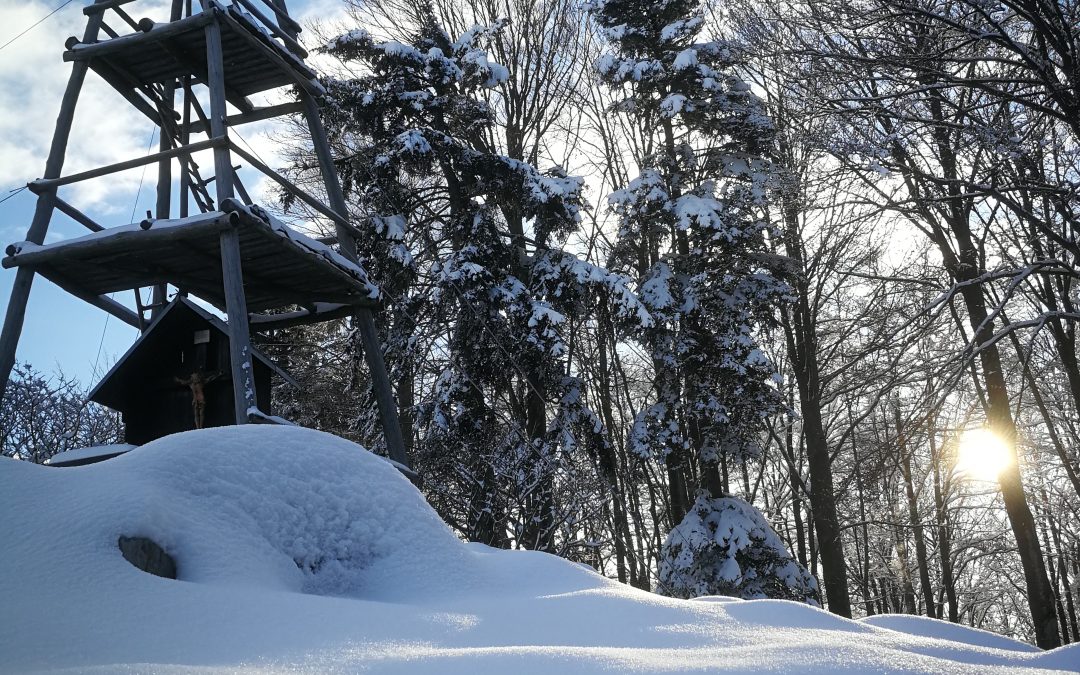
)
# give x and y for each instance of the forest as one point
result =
(646, 263)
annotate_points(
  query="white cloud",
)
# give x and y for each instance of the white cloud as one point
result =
(33, 77)
(107, 129)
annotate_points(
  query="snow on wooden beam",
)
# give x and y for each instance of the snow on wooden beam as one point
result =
(85, 51)
(115, 239)
(319, 312)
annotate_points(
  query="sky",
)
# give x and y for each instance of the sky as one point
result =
(63, 333)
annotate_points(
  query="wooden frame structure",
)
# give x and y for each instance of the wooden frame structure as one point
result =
(226, 251)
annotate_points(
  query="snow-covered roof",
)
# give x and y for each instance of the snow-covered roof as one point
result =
(104, 392)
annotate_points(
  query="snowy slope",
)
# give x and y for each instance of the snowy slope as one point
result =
(301, 552)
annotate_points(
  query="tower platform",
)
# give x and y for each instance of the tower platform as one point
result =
(162, 52)
(281, 267)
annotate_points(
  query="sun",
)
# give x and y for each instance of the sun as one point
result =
(982, 455)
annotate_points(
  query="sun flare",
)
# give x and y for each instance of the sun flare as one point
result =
(982, 455)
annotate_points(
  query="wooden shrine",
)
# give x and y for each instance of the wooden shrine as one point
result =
(204, 239)
(179, 365)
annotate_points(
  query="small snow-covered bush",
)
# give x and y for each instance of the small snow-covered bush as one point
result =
(725, 546)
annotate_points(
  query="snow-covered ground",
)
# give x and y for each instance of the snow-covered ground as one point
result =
(300, 552)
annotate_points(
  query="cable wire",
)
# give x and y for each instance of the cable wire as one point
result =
(36, 24)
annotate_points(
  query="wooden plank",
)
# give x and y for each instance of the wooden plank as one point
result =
(39, 226)
(239, 335)
(341, 278)
(42, 184)
(237, 99)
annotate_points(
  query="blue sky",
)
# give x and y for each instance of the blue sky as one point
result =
(62, 332)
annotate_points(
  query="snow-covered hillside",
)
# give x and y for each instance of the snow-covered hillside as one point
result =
(300, 552)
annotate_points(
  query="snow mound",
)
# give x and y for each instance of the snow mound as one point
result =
(280, 508)
(300, 552)
(935, 628)
(724, 546)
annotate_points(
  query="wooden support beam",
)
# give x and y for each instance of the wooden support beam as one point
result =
(108, 30)
(290, 43)
(340, 221)
(126, 89)
(287, 23)
(126, 17)
(239, 334)
(40, 185)
(317, 314)
(216, 82)
(39, 226)
(380, 385)
(380, 381)
(102, 5)
(102, 302)
(256, 115)
(163, 205)
(231, 273)
(77, 215)
(288, 67)
(191, 104)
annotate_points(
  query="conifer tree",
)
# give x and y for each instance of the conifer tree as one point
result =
(693, 232)
(498, 425)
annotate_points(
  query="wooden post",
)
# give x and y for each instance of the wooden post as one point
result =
(39, 226)
(184, 137)
(231, 272)
(239, 335)
(163, 208)
(380, 381)
(369, 336)
(215, 80)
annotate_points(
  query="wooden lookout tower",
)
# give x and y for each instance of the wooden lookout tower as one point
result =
(192, 76)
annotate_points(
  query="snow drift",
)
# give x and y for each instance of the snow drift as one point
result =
(300, 552)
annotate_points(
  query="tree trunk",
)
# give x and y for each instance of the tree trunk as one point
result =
(999, 416)
(941, 516)
(913, 516)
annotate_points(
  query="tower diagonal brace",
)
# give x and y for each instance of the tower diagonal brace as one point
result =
(39, 226)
